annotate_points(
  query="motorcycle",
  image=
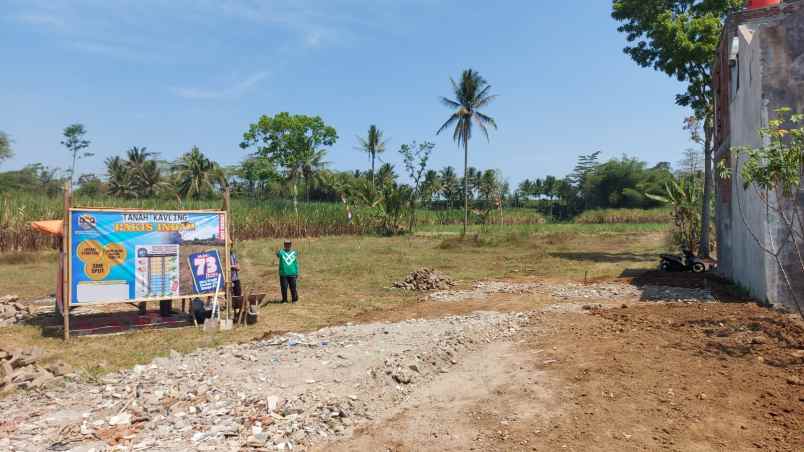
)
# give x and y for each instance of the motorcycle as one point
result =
(689, 262)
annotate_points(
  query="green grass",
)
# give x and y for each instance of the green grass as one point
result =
(343, 278)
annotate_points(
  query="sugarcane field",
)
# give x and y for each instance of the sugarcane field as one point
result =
(212, 239)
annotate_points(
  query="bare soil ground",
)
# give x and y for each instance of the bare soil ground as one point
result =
(527, 372)
(640, 376)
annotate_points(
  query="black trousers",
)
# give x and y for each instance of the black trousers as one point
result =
(285, 282)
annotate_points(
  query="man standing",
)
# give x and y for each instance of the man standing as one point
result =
(235, 275)
(288, 272)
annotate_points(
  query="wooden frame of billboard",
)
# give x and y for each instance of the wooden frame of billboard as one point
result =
(67, 249)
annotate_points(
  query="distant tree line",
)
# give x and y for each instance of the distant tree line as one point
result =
(288, 161)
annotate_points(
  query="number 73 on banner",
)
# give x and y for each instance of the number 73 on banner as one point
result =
(205, 265)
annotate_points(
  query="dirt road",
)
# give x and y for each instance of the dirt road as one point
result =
(684, 377)
(547, 374)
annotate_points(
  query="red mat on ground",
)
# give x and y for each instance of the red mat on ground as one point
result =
(118, 322)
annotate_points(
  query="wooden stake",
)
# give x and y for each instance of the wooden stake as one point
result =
(227, 275)
(67, 275)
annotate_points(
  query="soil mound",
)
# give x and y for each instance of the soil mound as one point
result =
(425, 279)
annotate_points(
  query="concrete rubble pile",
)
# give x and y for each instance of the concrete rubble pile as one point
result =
(280, 393)
(21, 369)
(425, 279)
(12, 311)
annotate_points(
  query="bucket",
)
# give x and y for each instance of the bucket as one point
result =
(757, 4)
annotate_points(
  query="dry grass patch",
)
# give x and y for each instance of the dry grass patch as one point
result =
(342, 278)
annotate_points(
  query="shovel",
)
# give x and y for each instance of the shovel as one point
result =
(212, 324)
(227, 324)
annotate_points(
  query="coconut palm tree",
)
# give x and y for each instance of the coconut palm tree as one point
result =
(310, 167)
(196, 175)
(471, 94)
(450, 186)
(372, 145)
(386, 175)
(144, 172)
(119, 178)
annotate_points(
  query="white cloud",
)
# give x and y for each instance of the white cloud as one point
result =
(233, 91)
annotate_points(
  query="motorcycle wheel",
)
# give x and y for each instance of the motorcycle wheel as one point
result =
(698, 267)
(665, 266)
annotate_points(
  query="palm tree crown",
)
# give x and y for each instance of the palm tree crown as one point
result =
(196, 175)
(372, 145)
(471, 94)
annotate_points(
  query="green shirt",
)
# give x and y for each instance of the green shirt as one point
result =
(288, 265)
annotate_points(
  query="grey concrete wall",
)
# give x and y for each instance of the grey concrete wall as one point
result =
(744, 219)
(771, 62)
(783, 86)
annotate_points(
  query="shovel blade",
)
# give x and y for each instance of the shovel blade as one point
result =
(211, 326)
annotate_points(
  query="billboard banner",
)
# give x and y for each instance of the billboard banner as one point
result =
(127, 255)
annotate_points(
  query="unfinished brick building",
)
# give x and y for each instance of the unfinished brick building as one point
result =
(759, 68)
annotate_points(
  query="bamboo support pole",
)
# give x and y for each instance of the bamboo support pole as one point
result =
(66, 293)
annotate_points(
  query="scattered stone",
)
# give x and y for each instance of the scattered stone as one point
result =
(578, 291)
(120, 419)
(260, 395)
(483, 289)
(12, 311)
(20, 369)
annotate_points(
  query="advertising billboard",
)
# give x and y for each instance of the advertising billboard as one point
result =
(132, 255)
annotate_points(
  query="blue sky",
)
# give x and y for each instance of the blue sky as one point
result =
(170, 74)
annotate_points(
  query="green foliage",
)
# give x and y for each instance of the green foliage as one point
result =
(777, 166)
(586, 165)
(197, 176)
(32, 178)
(431, 187)
(136, 176)
(491, 188)
(679, 38)
(5, 147)
(90, 185)
(255, 176)
(294, 142)
(685, 196)
(450, 186)
(76, 144)
(620, 183)
(415, 157)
